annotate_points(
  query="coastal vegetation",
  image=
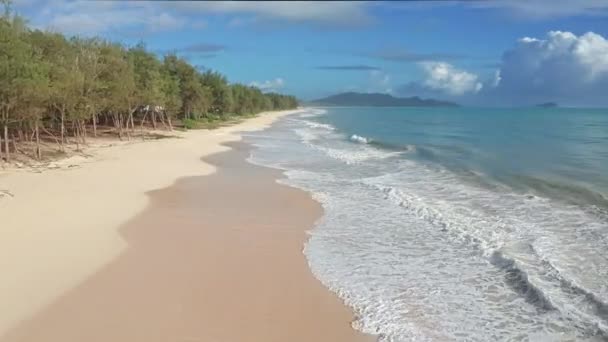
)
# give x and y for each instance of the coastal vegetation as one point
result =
(57, 90)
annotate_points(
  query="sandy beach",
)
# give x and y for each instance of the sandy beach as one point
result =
(163, 249)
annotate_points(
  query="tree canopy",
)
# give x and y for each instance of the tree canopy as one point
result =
(64, 86)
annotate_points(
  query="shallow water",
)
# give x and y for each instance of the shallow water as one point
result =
(456, 224)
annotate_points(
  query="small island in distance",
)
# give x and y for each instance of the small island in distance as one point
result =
(547, 105)
(378, 100)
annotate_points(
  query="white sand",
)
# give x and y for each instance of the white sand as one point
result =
(61, 226)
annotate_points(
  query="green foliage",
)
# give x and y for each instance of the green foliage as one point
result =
(66, 84)
(190, 123)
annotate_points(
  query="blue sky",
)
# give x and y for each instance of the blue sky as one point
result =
(478, 52)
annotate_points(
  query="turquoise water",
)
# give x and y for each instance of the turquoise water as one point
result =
(561, 151)
(456, 224)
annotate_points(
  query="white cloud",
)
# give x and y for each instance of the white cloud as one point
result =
(561, 66)
(82, 23)
(379, 82)
(496, 80)
(86, 17)
(239, 22)
(529, 9)
(541, 9)
(199, 24)
(269, 85)
(166, 22)
(100, 17)
(103, 16)
(335, 13)
(444, 77)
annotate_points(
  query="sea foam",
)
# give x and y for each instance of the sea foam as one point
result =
(422, 254)
(360, 139)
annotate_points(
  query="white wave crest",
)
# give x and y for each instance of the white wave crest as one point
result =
(318, 125)
(392, 245)
(306, 135)
(354, 156)
(360, 139)
(312, 112)
(346, 155)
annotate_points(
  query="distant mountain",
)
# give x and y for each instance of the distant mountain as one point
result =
(378, 100)
(547, 105)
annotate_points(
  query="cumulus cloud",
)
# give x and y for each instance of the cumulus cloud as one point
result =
(446, 78)
(441, 80)
(269, 85)
(560, 67)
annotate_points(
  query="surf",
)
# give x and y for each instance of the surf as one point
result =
(425, 251)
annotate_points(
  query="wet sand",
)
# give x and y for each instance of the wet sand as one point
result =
(60, 224)
(212, 258)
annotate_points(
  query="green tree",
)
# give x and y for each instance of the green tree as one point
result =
(221, 103)
(19, 70)
(117, 91)
(60, 86)
(89, 69)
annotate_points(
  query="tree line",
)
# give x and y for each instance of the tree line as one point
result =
(62, 89)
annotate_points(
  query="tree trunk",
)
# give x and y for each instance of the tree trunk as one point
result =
(143, 121)
(162, 120)
(38, 151)
(127, 130)
(119, 122)
(141, 126)
(6, 147)
(76, 130)
(95, 125)
(169, 121)
(154, 119)
(62, 130)
(83, 129)
(132, 123)
(14, 143)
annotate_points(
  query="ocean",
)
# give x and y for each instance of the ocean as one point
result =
(455, 224)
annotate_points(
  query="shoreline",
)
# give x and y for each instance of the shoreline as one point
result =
(70, 266)
(77, 200)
